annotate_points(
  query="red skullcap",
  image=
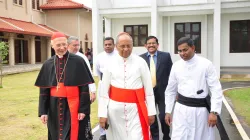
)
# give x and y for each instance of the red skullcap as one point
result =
(57, 35)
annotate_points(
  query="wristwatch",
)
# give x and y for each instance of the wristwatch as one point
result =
(215, 113)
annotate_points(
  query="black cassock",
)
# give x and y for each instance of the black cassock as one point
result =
(59, 108)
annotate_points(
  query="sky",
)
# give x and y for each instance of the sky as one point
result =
(88, 3)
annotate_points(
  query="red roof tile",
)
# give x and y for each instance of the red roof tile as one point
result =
(63, 4)
(23, 27)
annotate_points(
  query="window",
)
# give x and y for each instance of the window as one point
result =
(33, 4)
(240, 36)
(138, 33)
(36, 4)
(19, 2)
(192, 30)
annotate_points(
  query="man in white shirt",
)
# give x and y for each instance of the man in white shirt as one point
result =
(126, 101)
(74, 47)
(192, 77)
(102, 61)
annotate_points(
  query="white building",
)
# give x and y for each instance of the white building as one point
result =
(220, 28)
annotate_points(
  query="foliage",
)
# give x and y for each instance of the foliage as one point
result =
(4, 50)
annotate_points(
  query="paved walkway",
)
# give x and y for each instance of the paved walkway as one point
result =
(226, 117)
(21, 68)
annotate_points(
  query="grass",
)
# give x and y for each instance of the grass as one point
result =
(241, 102)
(18, 111)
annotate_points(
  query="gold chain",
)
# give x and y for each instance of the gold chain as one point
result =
(57, 86)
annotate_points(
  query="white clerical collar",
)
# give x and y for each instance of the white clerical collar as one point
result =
(124, 59)
(192, 60)
(113, 52)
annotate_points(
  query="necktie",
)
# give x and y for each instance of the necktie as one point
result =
(152, 70)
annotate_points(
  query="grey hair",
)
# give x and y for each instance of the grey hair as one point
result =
(123, 33)
(71, 38)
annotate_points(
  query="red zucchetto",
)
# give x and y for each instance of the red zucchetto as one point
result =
(57, 35)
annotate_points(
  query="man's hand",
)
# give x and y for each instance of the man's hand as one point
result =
(102, 122)
(44, 119)
(151, 119)
(212, 120)
(81, 116)
(168, 119)
(92, 97)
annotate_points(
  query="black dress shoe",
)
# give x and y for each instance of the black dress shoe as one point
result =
(103, 137)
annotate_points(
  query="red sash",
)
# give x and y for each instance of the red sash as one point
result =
(72, 94)
(133, 96)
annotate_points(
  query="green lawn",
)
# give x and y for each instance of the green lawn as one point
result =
(18, 109)
(241, 102)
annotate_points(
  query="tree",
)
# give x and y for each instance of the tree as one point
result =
(4, 49)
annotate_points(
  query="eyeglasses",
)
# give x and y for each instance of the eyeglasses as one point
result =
(183, 50)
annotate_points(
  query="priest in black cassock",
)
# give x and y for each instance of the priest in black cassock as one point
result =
(64, 101)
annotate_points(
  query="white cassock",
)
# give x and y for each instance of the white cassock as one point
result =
(102, 60)
(92, 87)
(186, 78)
(123, 118)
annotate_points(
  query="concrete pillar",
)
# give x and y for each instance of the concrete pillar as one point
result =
(108, 26)
(11, 49)
(97, 30)
(217, 32)
(48, 48)
(169, 48)
(32, 50)
(154, 18)
(156, 23)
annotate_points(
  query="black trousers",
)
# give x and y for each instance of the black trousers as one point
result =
(154, 128)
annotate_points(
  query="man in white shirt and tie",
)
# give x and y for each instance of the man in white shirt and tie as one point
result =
(159, 64)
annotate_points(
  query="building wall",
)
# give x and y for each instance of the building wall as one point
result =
(38, 17)
(63, 20)
(131, 3)
(22, 12)
(181, 2)
(43, 49)
(232, 59)
(182, 19)
(118, 24)
(210, 36)
(72, 22)
(86, 27)
(105, 4)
